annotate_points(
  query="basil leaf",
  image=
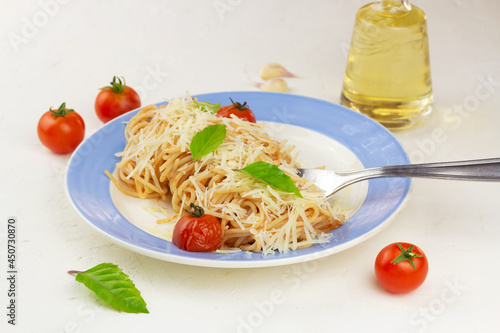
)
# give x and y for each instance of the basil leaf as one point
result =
(114, 287)
(207, 140)
(272, 175)
(207, 106)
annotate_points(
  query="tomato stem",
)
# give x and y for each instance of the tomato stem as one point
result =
(238, 105)
(406, 255)
(61, 111)
(116, 86)
(197, 210)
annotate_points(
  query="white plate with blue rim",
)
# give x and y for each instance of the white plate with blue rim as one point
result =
(325, 134)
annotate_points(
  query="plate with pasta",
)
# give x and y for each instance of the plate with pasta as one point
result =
(137, 176)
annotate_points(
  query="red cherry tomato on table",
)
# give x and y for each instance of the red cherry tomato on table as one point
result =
(198, 232)
(115, 100)
(401, 267)
(241, 111)
(61, 130)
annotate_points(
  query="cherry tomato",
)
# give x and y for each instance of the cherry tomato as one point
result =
(61, 130)
(115, 100)
(198, 232)
(241, 111)
(401, 267)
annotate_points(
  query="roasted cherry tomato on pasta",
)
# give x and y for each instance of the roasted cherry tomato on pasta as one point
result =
(61, 130)
(401, 267)
(115, 100)
(241, 111)
(197, 231)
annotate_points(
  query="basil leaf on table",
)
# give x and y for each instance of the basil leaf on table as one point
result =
(207, 140)
(272, 175)
(113, 286)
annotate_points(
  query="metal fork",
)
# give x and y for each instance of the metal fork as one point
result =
(478, 170)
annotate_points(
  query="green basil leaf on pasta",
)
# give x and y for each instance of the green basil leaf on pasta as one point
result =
(272, 175)
(207, 140)
(113, 286)
(208, 107)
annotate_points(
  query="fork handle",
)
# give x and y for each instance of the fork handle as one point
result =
(480, 170)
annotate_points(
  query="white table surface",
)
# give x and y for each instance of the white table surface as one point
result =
(53, 51)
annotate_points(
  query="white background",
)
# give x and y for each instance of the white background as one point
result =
(54, 51)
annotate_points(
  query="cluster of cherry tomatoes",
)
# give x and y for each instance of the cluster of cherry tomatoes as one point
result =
(62, 130)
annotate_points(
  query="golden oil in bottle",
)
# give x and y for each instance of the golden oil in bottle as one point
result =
(388, 73)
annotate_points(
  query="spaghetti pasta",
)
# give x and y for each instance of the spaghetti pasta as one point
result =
(157, 163)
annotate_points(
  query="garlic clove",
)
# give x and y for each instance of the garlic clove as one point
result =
(272, 70)
(275, 85)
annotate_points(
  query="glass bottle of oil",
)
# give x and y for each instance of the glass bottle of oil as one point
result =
(388, 73)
